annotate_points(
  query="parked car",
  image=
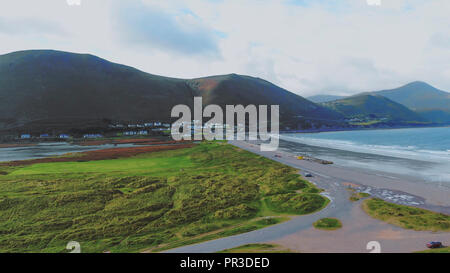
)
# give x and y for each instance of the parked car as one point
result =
(308, 175)
(278, 156)
(434, 245)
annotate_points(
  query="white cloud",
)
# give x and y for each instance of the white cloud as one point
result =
(305, 46)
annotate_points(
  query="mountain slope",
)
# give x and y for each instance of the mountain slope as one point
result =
(374, 107)
(431, 103)
(53, 89)
(237, 89)
(418, 96)
(324, 98)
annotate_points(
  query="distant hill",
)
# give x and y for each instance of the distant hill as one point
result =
(45, 89)
(418, 96)
(324, 98)
(432, 103)
(375, 108)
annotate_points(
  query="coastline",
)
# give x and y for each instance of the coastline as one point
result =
(298, 234)
(433, 195)
(343, 129)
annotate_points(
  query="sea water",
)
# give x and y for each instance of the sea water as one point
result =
(420, 152)
(48, 149)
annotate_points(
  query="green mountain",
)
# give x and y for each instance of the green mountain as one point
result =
(418, 96)
(324, 98)
(372, 109)
(45, 89)
(433, 104)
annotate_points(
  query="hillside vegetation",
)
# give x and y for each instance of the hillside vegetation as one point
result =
(44, 90)
(405, 216)
(374, 107)
(418, 96)
(150, 201)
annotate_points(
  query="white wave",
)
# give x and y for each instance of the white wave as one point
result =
(407, 152)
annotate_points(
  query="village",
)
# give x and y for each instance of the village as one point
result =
(157, 128)
(113, 130)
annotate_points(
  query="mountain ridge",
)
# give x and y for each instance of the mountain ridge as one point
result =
(375, 107)
(57, 88)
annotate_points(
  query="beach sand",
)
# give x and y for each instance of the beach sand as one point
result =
(358, 228)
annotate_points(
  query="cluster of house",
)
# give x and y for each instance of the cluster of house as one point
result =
(126, 130)
(143, 125)
(92, 136)
(197, 124)
(139, 128)
(61, 136)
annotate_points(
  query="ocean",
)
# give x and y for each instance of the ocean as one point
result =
(419, 152)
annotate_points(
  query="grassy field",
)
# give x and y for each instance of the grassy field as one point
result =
(405, 216)
(150, 201)
(257, 248)
(436, 250)
(328, 224)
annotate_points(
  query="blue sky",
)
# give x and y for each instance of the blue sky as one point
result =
(306, 46)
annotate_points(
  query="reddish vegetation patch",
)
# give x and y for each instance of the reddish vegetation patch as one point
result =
(351, 185)
(139, 141)
(162, 142)
(112, 153)
(16, 145)
(119, 141)
(207, 84)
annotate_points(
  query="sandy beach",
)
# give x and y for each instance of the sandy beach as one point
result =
(359, 228)
(428, 195)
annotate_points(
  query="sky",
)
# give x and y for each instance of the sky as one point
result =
(306, 46)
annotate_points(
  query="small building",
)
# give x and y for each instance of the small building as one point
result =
(25, 136)
(92, 136)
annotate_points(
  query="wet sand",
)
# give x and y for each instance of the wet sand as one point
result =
(434, 196)
(359, 228)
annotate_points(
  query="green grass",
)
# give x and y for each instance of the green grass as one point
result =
(405, 216)
(257, 248)
(328, 224)
(371, 122)
(356, 196)
(436, 250)
(152, 201)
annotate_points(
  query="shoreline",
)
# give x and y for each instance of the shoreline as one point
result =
(433, 195)
(298, 234)
(313, 131)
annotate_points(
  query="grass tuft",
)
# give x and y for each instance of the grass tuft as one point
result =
(328, 224)
(405, 216)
